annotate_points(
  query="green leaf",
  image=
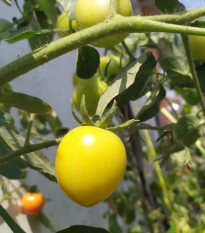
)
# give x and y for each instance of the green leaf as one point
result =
(21, 36)
(187, 129)
(200, 73)
(5, 29)
(152, 104)
(190, 95)
(69, 7)
(130, 84)
(50, 9)
(114, 225)
(167, 6)
(88, 62)
(10, 222)
(177, 69)
(25, 102)
(82, 229)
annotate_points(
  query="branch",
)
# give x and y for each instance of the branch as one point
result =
(114, 25)
(27, 149)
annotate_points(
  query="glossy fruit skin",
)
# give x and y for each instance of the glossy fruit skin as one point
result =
(197, 46)
(92, 89)
(63, 23)
(92, 12)
(109, 65)
(90, 164)
(33, 203)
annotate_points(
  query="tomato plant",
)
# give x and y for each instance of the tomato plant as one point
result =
(32, 203)
(197, 46)
(90, 163)
(96, 12)
(92, 89)
(109, 65)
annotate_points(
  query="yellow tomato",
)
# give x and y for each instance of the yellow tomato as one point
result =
(90, 164)
(63, 23)
(92, 12)
(197, 46)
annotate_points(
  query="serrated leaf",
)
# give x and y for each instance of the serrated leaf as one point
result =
(187, 129)
(130, 84)
(25, 102)
(87, 62)
(82, 229)
(167, 6)
(152, 104)
(141, 82)
(177, 69)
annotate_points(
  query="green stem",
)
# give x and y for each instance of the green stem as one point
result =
(31, 118)
(179, 19)
(27, 149)
(132, 58)
(18, 7)
(116, 25)
(193, 71)
(113, 7)
(162, 183)
(9, 220)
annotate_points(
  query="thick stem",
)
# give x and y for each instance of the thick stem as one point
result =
(193, 71)
(116, 25)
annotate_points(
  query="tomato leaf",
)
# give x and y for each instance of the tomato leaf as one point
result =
(200, 73)
(177, 69)
(167, 6)
(5, 29)
(113, 224)
(88, 62)
(21, 36)
(187, 129)
(190, 95)
(50, 9)
(25, 102)
(152, 104)
(68, 6)
(82, 229)
(9, 220)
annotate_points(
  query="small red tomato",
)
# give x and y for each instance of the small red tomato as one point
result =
(33, 203)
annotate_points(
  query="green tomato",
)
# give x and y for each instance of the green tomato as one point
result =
(92, 12)
(109, 65)
(92, 89)
(197, 46)
(75, 79)
(63, 23)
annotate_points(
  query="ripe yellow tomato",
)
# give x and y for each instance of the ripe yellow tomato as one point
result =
(90, 164)
(92, 89)
(92, 12)
(63, 23)
(109, 65)
(197, 46)
(33, 203)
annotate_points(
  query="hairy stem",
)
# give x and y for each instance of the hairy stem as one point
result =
(115, 25)
(27, 149)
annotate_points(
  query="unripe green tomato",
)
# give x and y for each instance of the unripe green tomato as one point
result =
(197, 46)
(90, 164)
(109, 65)
(63, 23)
(75, 79)
(92, 89)
(92, 12)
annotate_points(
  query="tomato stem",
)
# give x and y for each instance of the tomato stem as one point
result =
(116, 25)
(113, 7)
(185, 39)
